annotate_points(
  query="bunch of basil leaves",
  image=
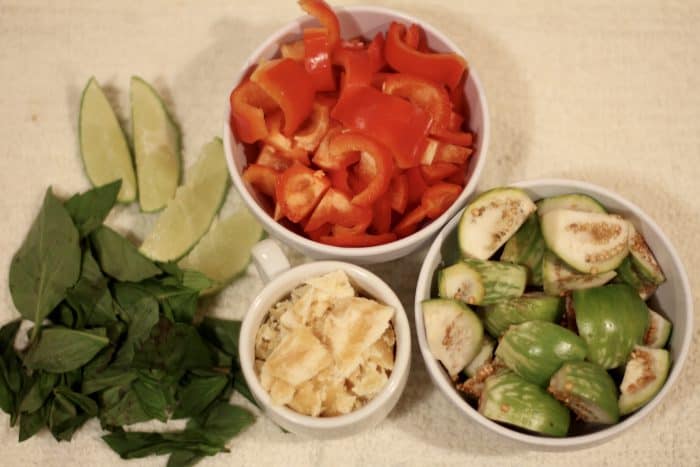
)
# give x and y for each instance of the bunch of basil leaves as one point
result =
(115, 336)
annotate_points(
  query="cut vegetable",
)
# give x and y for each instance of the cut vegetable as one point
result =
(643, 258)
(454, 333)
(510, 399)
(490, 220)
(103, 145)
(483, 357)
(588, 390)
(188, 215)
(589, 242)
(530, 307)
(477, 282)
(572, 201)
(535, 350)
(658, 332)
(612, 320)
(220, 258)
(156, 146)
(627, 273)
(645, 375)
(558, 278)
(527, 247)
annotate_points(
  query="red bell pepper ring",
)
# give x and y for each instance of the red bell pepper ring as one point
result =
(415, 38)
(333, 162)
(438, 198)
(416, 185)
(268, 157)
(375, 158)
(317, 59)
(424, 93)
(437, 171)
(360, 65)
(326, 16)
(446, 68)
(262, 179)
(381, 217)
(299, 189)
(398, 193)
(409, 223)
(309, 136)
(339, 180)
(285, 146)
(358, 240)
(397, 123)
(288, 84)
(335, 208)
(249, 103)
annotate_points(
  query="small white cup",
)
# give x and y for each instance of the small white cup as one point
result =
(275, 269)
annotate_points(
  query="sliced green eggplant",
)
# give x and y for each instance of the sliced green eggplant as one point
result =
(491, 219)
(658, 332)
(484, 356)
(530, 307)
(510, 399)
(588, 390)
(645, 375)
(536, 349)
(558, 278)
(454, 333)
(589, 242)
(627, 273)
(478, 282)
(643, 258)
(527, 247)
(611, 319)
(473, 387)
(573, 201)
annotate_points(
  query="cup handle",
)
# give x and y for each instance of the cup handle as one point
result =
(269, 259)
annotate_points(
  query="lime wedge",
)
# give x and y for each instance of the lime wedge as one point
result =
(224, 251)
(103, 145)
(156, 146)
(189, 213)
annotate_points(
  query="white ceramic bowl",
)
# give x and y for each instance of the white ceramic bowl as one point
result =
(364, 21)
(273, 266)
(674, 298)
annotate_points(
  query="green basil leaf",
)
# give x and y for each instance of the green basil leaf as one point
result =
(119, 258)
(41, 388)
(198, 394)
(134, 444)
(61, 349)
(175, 300)
(151, 398)
(65, 315)
(121, 407)
(88, 210)
(184, 458)
(106, 379)
(173, 347)
(47, 263)
(81, 401)
(240, 385)
(7, 335)
(31, 423)
(142, 317)
(90, 295)
(222, 332)
(7, 396)
(221, 422)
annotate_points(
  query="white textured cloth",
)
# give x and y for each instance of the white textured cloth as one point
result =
(603, 91)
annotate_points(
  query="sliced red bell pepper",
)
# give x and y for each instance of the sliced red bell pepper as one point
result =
(443, 68)
(412, 37)
(339, 180)
(416, 185)
(360, 65)
(249, 103)
(268, 157)
(288, 84)
(452, 153)
(293, 50)
(409, 223)
(398, 192)
(455, 123)
(458, 98)
(381, 217)
(326, 16)
(335, 208)
(317, 59)
(358, 240)
(426, 94)
(322, 231)
(285, 146)
(437, 171)
(316, 126)
(460, 138)
(397, 123)
(374, 158)
(459, 177)
(327, 161)
(438, 198)
(263, 179)
(298, 191)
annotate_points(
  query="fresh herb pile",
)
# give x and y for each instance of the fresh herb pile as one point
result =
(117, 337)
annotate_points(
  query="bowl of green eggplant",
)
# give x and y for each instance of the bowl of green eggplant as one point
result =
(554, 313)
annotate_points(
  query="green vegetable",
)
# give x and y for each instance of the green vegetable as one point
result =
(643, 258)
(588, 390)
(478, 282)
(572, 201)
(484, 356)
(60, 349)
(558, 278)
(527, 248)
(119, 258)
(530, 307)
(628, 274)
(90, 297)
(645, 375)
(88, 210)
(658, 332)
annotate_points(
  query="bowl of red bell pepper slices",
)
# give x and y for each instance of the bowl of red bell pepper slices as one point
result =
(356, 133)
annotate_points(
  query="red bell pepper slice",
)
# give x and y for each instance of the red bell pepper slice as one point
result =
(438, 198)
(335, 208)
(268, 157)
(322, 231)
(375, 158)
(317, 59)
(381, 217)
(459, 177)
(416, 185)
(424, 93)
(299, 189)
(309, 136)
(437, 171)
(339, 180)
(412, 37)
(442, 68)
(332, 162)
(398, 193)
(285, 146)
(263, 179)
(409, 223)
(452, 153)
(288, 84)
(249, 103)
(358, 240)
(455, 123)
(360, 65)
(293, 50)
(397, 123)
(326, 16)
(460, 138)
